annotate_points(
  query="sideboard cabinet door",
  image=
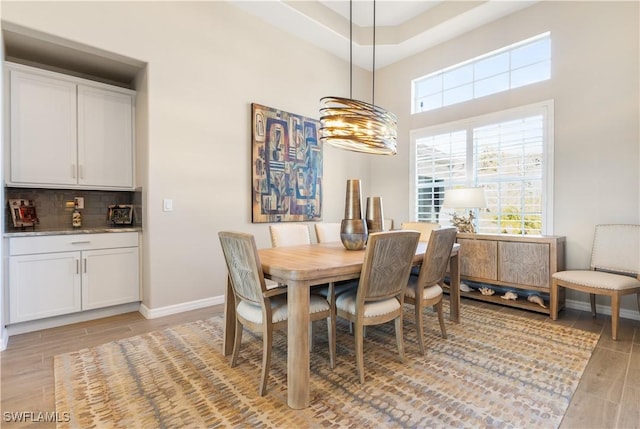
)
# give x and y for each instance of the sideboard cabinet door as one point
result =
(524, 263)
(479, 259)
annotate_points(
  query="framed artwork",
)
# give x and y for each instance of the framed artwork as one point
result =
(286, 166)
(121, 214)
(23, 213)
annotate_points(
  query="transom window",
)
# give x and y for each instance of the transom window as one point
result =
(509, 154)
(513, 66)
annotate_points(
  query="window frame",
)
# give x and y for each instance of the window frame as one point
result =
(545, 108)
(475, 82)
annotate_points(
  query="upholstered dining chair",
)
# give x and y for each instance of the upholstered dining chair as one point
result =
(424, 228)
(426, 289)
(615, 271)
(380, 294)
(289, 234)
(257, 308)
(327, 232)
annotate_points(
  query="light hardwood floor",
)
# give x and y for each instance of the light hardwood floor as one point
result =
(608, 395)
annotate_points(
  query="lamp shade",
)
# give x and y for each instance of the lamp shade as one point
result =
(465, 198)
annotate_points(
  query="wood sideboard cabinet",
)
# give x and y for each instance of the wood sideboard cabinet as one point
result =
(520, 263)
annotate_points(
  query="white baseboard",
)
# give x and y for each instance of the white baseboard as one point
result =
(67, 319)
(601, 309)
(4, 340)
(152, 313)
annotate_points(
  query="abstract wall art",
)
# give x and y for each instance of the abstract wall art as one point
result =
(286, 166)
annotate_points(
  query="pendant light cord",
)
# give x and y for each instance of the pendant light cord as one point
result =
(373, 76)
(351, 49)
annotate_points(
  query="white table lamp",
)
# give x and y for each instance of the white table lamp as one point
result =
(464, 198)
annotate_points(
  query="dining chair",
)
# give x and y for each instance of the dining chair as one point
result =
(289, 234)
(258, 308)
(615, 271)
(426, 289)
(424, 228)
(388, 224)
(380, 294)
(327, 232)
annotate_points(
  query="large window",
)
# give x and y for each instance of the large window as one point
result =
(516, 65)
(509, 154)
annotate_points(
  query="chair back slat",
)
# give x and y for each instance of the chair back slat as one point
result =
(289, 235)
(434, 264)
(616, 247)
(387, 264)
(243, 264)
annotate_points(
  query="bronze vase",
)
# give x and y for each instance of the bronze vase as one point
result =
(374, 215)
(353, 229)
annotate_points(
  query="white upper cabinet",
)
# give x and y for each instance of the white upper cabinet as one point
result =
(68, 132)
(105, 138)
(43, 130)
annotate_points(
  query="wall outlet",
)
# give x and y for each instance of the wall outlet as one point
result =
(79, 202)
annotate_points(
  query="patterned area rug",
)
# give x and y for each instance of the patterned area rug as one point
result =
(496, 369)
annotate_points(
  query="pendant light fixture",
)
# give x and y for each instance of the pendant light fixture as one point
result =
(357, 125)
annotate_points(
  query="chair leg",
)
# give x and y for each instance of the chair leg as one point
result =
(267, 339)
(399, 337)
(615, 316)
(438, 308)
(592, 300)
(419, 325)
(359, 344)
(553, 299)
(236, 343)
(331, 331)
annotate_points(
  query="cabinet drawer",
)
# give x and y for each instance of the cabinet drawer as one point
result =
(67, 243)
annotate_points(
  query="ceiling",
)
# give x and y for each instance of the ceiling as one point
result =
(403, 28)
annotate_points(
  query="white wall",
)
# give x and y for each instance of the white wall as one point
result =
(595, 86)
(206, 63)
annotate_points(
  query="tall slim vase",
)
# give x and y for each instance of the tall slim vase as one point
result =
(353, 229)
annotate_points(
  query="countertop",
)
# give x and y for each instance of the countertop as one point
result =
(31, 232)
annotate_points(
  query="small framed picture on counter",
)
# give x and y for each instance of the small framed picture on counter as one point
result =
(121, 214)
(23, 213)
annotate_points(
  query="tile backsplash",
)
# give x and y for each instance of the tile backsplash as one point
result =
(53, 213)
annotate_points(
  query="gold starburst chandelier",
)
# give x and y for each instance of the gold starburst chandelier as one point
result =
(357, 125)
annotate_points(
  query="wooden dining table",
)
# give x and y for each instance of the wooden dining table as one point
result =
(300, 267)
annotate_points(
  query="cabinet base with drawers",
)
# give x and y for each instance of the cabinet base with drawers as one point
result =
(63, 274)
(518, 263)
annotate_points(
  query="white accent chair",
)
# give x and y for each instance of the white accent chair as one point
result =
(257, 308)
(380, 293)
(426, 289)
(615, 271)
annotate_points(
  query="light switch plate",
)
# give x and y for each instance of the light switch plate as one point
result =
(79, 202)
(167, 205)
